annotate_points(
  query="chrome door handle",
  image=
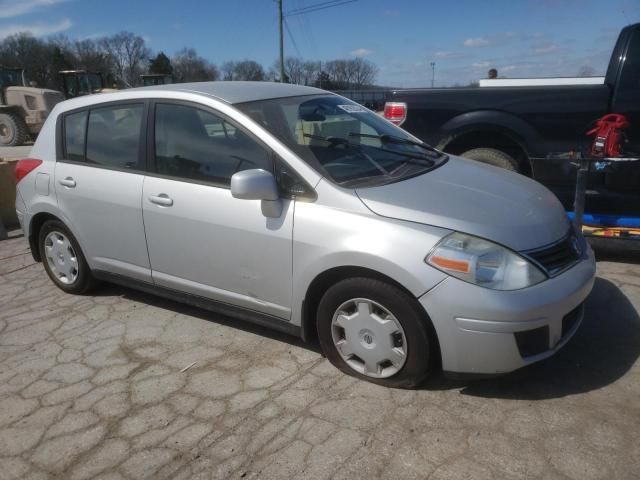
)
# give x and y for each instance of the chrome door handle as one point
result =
(67, 182)
(162, 199)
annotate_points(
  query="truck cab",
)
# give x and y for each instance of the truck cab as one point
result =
(536, 129)
(23, 108)
(77, 83)
(152, 79)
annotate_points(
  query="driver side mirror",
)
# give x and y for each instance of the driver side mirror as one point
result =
(258, 184)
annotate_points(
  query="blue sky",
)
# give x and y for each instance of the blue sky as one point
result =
(464, 37)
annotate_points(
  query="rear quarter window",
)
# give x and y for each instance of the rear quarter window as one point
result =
(75, 125)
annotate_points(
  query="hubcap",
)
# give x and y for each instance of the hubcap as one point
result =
(369, 338)
(5, 131)
(61, 257)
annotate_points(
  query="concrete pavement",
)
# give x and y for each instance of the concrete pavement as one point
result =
(123, 385)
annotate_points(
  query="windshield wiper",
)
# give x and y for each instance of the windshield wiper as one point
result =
(386, 138)
(332, 140)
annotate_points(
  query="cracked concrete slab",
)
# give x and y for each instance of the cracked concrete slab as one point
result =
(96, 387)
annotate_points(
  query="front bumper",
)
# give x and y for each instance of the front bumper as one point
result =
(487, 331)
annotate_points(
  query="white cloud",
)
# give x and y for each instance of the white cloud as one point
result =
(476, 42)
(361, 52)
(36, 29)
(480, 65)
(444, 54)
(509, 68)
(14, 8)
(549, 48)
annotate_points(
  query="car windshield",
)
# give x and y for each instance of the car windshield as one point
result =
(344, 141)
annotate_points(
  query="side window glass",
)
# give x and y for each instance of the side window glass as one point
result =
(197, 145)
(113, 136)
(74, 129)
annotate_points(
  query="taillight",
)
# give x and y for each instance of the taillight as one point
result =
(24, 167)
(395, 112)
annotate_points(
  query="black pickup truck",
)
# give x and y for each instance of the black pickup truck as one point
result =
(528, 128)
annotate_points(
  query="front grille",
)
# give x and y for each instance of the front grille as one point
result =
(559, 256)
(570, 319)
(533, 342)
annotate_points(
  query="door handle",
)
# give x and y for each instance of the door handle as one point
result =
(67, 182)
(162, 199)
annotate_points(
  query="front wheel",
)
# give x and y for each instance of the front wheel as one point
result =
(373, 330)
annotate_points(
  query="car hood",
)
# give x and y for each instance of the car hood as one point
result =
(474, 198)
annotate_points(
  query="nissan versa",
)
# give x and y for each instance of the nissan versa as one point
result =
(299, 209)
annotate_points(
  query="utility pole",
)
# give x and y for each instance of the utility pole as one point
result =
(433, 73)
(281, 42)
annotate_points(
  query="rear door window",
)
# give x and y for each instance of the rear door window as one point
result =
(113, 136)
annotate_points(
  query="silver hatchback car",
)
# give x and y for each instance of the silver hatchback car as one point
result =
(299, 209)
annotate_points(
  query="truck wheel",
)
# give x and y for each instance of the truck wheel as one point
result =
(492, 157)
(13, 131)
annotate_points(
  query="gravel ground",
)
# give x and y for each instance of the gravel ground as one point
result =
(105, 386)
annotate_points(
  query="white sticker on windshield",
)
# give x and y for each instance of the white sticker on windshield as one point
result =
(353, 108)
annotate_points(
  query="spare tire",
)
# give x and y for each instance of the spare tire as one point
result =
(493, 157)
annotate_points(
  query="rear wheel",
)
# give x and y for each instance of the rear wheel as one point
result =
(493, 157)
(63, 259)
(13, 130)
(375, 331)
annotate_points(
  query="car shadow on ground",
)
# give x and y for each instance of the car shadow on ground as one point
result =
(605, 347)
(109, 289)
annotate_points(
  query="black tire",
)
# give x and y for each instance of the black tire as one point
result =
(84, 281)
(421, 343)
(493, 157)
(13, 130)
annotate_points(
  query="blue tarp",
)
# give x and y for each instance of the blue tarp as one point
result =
(602, 220)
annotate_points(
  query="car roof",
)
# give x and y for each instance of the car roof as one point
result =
(237, 92)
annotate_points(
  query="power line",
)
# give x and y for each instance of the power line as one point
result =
(293, 40)
(316, 7)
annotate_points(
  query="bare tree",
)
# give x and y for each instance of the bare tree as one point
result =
(189, 67)
(227, 69)
(294, 69)
(89, 56)
(311, 72)
(340, 73)
(248, 70)
(362, 72)
(129, 54)
(25, 51)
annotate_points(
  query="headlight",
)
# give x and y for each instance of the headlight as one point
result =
(483, 263)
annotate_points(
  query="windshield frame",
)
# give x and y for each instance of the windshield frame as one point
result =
(279, 128)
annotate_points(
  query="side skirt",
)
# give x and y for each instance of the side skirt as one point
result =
(247, 315)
